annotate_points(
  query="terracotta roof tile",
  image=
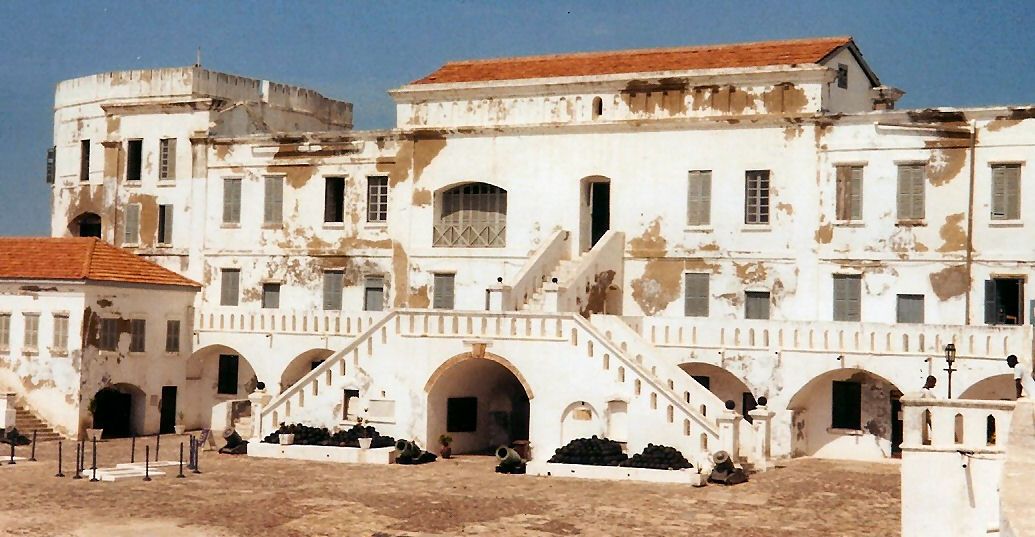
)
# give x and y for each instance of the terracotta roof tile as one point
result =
(40, 258)
(798, 51)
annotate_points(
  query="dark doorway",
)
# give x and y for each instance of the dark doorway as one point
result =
(896, 424)
(112, 411)
(167, 407)
(89, 226)
(227, 381)
(1004, 301)
(600, 210)
(519, 418)
(748, 403)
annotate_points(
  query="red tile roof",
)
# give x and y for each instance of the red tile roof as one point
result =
(39, 258)
(797, 51)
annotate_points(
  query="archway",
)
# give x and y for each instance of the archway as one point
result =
(482, 403)
(217, 375)
(470, 215)
(846, 414)
(724, 385)
(994, 388)
(301, 365)
(85, 225)
(119, 409)
(581, 420)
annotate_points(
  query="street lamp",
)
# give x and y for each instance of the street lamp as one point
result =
(950, 357)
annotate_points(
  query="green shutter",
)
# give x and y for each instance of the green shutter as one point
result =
(696, 294)
(131, 234)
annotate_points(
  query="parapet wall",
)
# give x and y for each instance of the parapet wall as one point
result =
(197, 82)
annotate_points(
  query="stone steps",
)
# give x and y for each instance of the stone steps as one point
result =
(26, 421)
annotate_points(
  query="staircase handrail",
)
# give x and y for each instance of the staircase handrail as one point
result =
(331, 361)
(539, 265)
(569, 291)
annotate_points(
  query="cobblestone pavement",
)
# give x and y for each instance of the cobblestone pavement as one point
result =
(250, 496)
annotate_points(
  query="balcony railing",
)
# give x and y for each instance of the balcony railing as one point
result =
(286, 321)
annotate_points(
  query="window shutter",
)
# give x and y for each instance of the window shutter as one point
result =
(918, 193)
(998, 193)
(843, 198)
(165, 233)
(696, 294)
(991, 315)
(699, 193)
(273, 201)
(903, 198)
(131, 233)
(1013, 192)
(171, 162)
(231, 201)
(229, 287)
(855, 193)
(443, 292)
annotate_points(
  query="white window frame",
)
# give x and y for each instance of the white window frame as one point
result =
(377, 199)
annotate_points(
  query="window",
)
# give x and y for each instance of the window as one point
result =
(109, 340)
(842, 76)
(349, 396)
(227, 379)
(271, 295)
(1004, 301)
(598, 107)
(695, 294)
(51, 164)
(5, 330)
(32, 330)
(847, 290)
(232, 200)
(756, 305)
(273, 201)
(84, 160)
(462, 414)
(377, 199)
(172, 336)
(444, 285)
(137, 335)
(699, 198)
(165, 224)
(334, 199)
(332, 281)
(849, 192)
(374, 293)
(1006, 192)
(131, 233)
(911, 191)
(166, 159)
(229, 289)
(756, 197)
(910, 309)
(60, 333)
(846, 405)
(134, 155)
(471, 215)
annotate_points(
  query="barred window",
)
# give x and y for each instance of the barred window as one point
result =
(472, 215)
(377, 199)
(756, 197)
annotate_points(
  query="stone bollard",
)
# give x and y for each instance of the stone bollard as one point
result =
(259, 399)
(7, 410)
(762, 424)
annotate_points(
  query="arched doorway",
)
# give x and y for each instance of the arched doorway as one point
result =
(482, 403)
(86, 225)
(301, 365)
(594, 210)
(846, 414)
(217, 375)
(581, 420)
(119, 410)
(994, 388)
(724, 385)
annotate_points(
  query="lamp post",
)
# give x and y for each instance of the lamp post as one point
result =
(950, 357)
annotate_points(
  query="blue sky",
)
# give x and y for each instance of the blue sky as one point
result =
(942, 53)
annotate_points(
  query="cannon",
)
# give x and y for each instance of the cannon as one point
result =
(724, 471)
(235, 445)
(407, 448)
(510, 461)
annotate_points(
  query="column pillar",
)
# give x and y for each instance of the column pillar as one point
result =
(259, 399)
(762, 425)
(729, 434)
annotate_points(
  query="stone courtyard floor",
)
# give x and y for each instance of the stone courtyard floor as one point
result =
(249, 496)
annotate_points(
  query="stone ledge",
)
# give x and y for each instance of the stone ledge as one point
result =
(616, 473)
(384, 455)
(1017, 512)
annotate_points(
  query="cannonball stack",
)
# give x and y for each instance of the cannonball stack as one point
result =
(658, 458)
(591, 451)
(320, 436)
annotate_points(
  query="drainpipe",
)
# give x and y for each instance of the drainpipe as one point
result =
(970, 221)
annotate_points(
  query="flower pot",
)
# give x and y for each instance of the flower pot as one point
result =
(446, 452)
(364, 443)
(180, 429)
(286, 439)
(94, 434)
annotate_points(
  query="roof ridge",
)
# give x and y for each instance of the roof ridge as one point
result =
(689, 48)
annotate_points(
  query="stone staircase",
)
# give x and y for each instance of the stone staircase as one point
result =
(26, 421)
(563, 273)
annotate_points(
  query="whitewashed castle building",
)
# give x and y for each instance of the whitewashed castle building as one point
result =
(549, 247)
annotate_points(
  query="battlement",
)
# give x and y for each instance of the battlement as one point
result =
(196, 82)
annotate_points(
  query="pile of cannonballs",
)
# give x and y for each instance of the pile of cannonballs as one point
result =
(592, 451)
(658, 458)
(320, 436)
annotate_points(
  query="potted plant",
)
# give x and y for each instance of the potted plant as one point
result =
(364, 437)
(180, 428)
(446, 451)
(93, 434)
